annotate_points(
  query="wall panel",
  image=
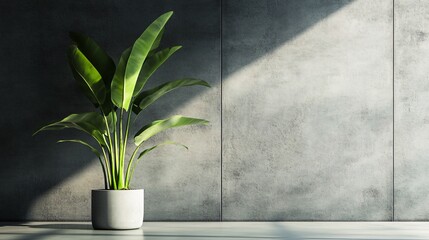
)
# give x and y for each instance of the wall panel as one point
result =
(307, 110)
(411, 110)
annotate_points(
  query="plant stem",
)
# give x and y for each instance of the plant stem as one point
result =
(121, 152)
(127, 129)
(104, 173)
(128, 177)
(108, 168)
(109, 136)
(115, 159)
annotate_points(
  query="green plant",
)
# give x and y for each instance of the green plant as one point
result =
(117, 92)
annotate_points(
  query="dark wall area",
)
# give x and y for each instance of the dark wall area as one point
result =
(38, 88)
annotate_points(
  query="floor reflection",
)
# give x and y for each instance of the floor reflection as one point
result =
(219, 230)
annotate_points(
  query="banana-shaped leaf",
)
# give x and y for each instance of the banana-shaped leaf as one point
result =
(91, 123)
(123, 88)
(157, 40)
(88, 78)
(158, 126)
(96, 55)
(100, 60)
(146, 98)
(151, 65)
(118, 78)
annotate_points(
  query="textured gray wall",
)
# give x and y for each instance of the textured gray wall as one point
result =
(304, 111)
(43, 180)
(411, 110)
(307, 127)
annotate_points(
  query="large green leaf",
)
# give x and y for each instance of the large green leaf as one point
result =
(123, 88)
(100, 60)
(146, 98)
(91, 123)
(96, 55)
(158, 126)
(118, 79)
(157, 41)
(87, 77)
(151, 65)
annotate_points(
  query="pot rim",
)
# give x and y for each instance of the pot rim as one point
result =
(117, 190)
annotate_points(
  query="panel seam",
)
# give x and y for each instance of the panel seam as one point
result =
(221, 112)
(393, 110)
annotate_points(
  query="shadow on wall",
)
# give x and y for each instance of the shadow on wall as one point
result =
(38, 87)
(269, 24)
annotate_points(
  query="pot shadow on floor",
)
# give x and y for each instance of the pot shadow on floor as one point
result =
(70, 226)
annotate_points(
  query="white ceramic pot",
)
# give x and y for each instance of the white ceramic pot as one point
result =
(117, 209)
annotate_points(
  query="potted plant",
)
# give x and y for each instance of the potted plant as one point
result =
(117, 94)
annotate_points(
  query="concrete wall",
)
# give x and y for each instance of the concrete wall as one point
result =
(307, 110)
(411, 110)
(43, 180)
(304, 121)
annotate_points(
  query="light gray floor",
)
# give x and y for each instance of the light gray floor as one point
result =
(220, 230)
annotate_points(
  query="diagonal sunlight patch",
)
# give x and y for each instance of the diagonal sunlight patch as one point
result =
(69, 197)
(242, 77)
(316, 109)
